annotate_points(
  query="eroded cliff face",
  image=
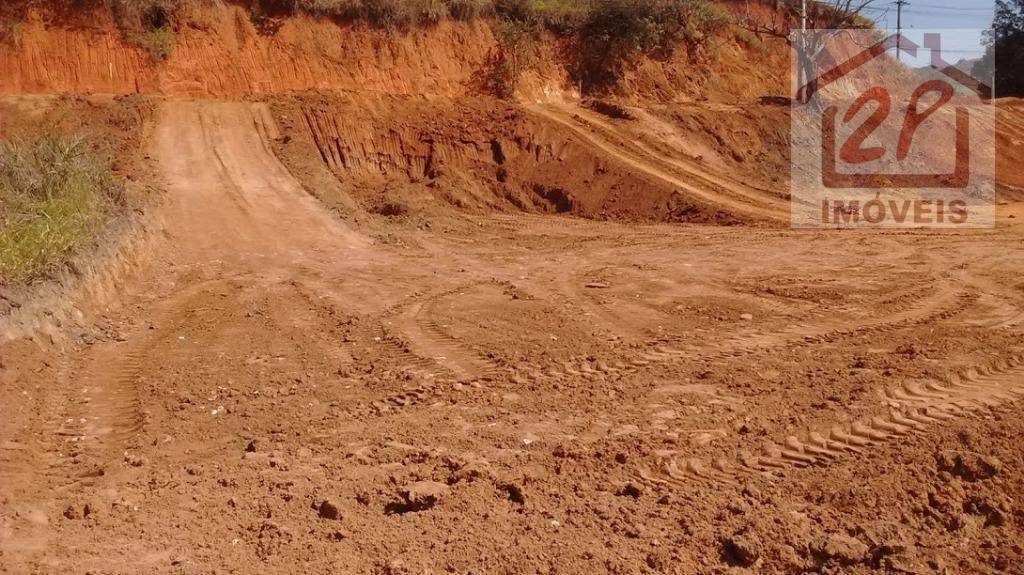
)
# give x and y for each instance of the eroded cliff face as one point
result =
(477, 154)
(219, 52)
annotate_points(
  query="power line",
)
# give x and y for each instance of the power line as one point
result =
(946, 14)
(954, 8)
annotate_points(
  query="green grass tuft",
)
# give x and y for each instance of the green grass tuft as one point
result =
(158, 42)
(54, 198)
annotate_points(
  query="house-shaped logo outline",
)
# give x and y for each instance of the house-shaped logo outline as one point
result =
(959, 178)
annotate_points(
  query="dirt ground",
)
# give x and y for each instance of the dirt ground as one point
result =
(288, 388)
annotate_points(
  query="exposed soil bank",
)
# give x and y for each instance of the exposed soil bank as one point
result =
(395, 155)
(221, 53)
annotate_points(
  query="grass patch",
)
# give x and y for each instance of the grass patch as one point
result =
(158, 43)
(147, 24)
(55, 196)
(11, 17)
(388, 14)
(10, 32)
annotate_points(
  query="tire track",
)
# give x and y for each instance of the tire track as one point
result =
(105, 413)
(428, 339)
(999, 314)
(946, 304)
(1002, 305)
(943, 305)
(914, 408)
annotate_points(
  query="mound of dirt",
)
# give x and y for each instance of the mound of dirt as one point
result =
(400, 155)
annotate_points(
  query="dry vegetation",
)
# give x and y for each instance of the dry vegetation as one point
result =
(55, 195)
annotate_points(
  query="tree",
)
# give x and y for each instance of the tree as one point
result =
(1004, 55)
(789, 16)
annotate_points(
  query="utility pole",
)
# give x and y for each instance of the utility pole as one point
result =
(803, 16)
(899, 27)
(802, 53)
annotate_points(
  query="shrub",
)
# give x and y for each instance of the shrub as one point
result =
(390, 13)
(561, 16)
(147, 24)
(341, 8)
(700, 20)
(432, 11)
(395, 14)
(54, 196)
(10, 32)
(159, 43)
(11, 17)
(616, 32)
(516, 51)
(468, 9)
(608, 34)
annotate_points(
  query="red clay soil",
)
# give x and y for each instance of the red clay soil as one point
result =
(524, 394)
(482, 156)
(365, 343)
(219, 52)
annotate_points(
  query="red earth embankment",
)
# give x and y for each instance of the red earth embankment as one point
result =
(220, 52)
(396, 155)
(225, 51)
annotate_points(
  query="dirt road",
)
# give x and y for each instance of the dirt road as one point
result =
(285, 391)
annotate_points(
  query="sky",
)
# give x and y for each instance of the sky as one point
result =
(960, 21)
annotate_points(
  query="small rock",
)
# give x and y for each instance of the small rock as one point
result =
(905, 561)
(72, 513)
(134, 460)
(968, 466)
(632, 489)
(843, 549)
(742, 549)
(597, 285)
(424, 494)
(329, 510)
(738, 506)
(251, 447)
(747, 317)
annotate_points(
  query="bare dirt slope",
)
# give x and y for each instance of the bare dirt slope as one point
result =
(288, 391)
(715, 189)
